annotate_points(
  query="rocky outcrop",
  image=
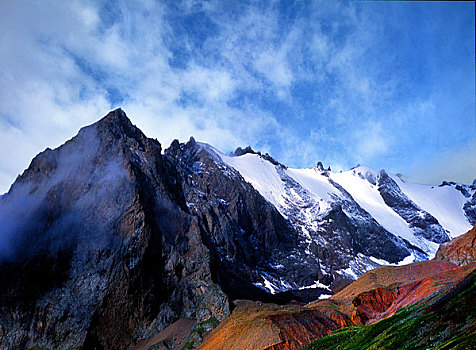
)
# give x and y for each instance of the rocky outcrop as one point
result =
(240, 151)
(248, 150)
(375, 304)
(470, 208)
(386, 276)
(460, 250)
(369, 305)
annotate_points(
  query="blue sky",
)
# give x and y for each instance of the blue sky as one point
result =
(385, 84)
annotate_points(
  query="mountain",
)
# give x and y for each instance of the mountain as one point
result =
(97, 233)
(412, 219)
(110, 229)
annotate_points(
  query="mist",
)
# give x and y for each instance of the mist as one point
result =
(68, 196)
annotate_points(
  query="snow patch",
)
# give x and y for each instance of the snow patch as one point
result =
(379, 261)
(348, 271)
(444, 203)
(313, 181)
(260, 173)
(317, 284)
(324, 296)
(408, 260)
(268, 285)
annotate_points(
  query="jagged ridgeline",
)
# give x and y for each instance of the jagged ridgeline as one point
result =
(108, 239)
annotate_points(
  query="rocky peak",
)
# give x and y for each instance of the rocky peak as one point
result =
(319, 166)
(117, 127)
(191, 142)
(116, 120)
(112, 137)
(240, 151)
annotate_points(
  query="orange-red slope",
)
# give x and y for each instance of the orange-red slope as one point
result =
(272, 327)
(461, 250)
(376, 295)
(380, 303)
(386, 277)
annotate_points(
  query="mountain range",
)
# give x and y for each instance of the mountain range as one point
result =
(109, 241)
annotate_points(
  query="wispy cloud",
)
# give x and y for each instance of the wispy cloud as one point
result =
(305, 82)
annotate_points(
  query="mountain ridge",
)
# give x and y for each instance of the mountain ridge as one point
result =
(129, 234)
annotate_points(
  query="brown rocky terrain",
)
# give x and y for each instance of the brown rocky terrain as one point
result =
(459, 251)
(392, 275)
(376, 295)
(383, 278)
(381, 292)
(176, 335)
(268, 326)
(383, 302)
(444, 320)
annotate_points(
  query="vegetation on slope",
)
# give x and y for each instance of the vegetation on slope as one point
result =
(446, 320)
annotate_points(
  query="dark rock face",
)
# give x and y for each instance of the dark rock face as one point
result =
(366, 236)
(319, 166)
(470, 209)
(422, 223)
(243, 232)
(102, 237)
(240, 151)
(106, 230)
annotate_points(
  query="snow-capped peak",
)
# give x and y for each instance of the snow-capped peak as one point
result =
(399, 207)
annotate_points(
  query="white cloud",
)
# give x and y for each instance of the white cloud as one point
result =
(274, 67)
(371, 140)
(65, 64)
(54, 88)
